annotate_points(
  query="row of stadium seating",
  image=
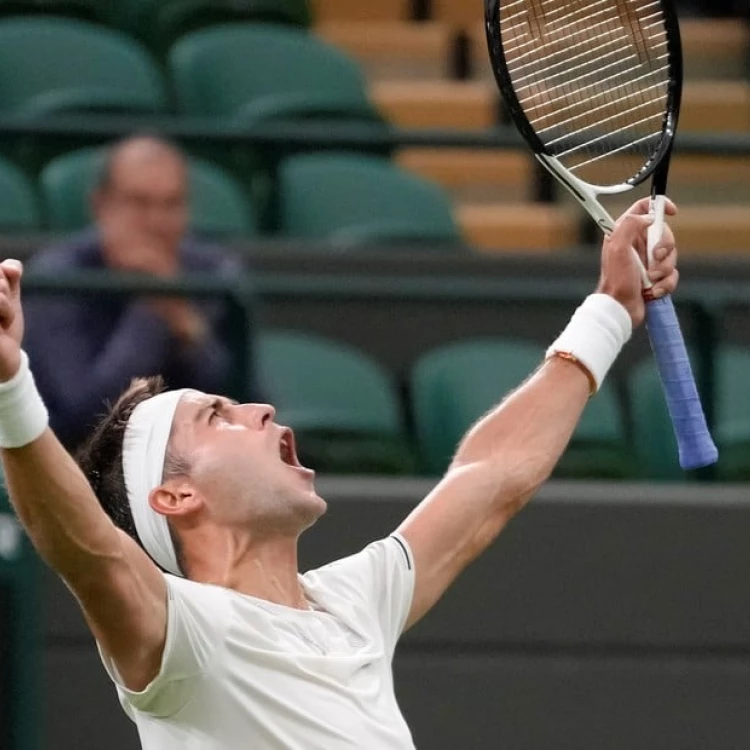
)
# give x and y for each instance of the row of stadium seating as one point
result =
(347, 199)
(357, 199)
(409, 66)
(355, 422)
(288, 73)
(254, 71)
(161, 21)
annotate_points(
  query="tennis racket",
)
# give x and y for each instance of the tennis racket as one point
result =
(594, 87)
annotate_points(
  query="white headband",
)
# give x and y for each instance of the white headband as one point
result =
(143, 451)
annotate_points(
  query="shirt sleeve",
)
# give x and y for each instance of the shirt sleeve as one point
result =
(196, 623)
(378, 580)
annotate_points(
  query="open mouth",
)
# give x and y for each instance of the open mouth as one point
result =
(288, 449)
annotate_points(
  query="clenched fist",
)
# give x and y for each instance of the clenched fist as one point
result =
(620, 274)
(11, 318)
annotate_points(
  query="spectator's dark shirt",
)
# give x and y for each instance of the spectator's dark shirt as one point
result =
(85, 349)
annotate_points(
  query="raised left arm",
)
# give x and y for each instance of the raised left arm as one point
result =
(507, 455)
(498, 467)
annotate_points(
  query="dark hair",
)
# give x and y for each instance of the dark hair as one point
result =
(100, 458)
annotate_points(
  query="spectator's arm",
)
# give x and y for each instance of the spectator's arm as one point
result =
(206, 364)
(77, 374)
(209, 362)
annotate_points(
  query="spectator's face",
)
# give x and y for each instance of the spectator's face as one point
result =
(143, 213)
(243, 466)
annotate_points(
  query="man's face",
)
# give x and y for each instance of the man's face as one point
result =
(244, 466)
(142, 213)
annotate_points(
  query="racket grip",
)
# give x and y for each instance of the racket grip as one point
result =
(696, 448)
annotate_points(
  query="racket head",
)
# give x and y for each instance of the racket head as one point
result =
(594, 84)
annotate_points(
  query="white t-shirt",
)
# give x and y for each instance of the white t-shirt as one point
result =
(240, 673)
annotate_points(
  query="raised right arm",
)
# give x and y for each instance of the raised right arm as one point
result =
(121, 591)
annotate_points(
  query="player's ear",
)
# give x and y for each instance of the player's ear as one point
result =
(175, 497)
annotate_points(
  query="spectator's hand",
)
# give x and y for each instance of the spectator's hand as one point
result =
(137, 251)
(185, 321)
(149, 259)
(11, 318)
(620, 274)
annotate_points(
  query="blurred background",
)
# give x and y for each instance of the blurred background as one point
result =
(322, 204)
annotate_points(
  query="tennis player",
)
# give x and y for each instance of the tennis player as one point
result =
(179, 537)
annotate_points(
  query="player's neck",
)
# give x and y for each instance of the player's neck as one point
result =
(265, 568)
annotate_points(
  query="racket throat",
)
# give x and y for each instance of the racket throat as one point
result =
(587, 196)
(583, 192)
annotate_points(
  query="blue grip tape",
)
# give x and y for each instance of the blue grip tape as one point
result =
(694, 441)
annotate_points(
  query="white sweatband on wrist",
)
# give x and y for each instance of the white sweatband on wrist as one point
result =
(23, 415)
(144, 449)
(596, 333)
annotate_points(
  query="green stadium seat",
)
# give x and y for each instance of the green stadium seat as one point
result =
(217, 203)
(160, 23)
(656, 444)
(354, 200)
(87, 10)
(53, 65)
(255, 72)
(341, 404)
(732, 416)
(454, 385)
(19, 209)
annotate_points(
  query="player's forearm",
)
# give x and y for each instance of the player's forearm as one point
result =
(58, 508)
(524, 437)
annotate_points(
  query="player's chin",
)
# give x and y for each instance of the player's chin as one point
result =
(314, 508)
(322, 505)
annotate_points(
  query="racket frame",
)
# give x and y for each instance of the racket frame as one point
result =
(696, 447)
(657, 163)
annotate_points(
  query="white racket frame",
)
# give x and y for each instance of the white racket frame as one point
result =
(587, 195)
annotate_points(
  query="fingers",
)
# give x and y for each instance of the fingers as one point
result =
(7, 311)
(662, 269)
(629, 231)
(665, 286)
(643, 206)
(664, 260)
(10, 283)
(12, 271)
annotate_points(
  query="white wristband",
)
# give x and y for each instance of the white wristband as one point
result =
(599, 328)
(23, 415)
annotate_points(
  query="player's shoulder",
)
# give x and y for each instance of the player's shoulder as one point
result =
(196, 594)
(376, 557)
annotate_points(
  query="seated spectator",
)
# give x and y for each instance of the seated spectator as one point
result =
(86, 349)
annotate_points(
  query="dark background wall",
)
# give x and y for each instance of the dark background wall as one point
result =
(606, 616)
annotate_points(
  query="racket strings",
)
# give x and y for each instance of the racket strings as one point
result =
(592, 79)
(608, 48)
(604, 12)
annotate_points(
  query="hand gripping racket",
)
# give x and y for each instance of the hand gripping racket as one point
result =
(594, 87)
